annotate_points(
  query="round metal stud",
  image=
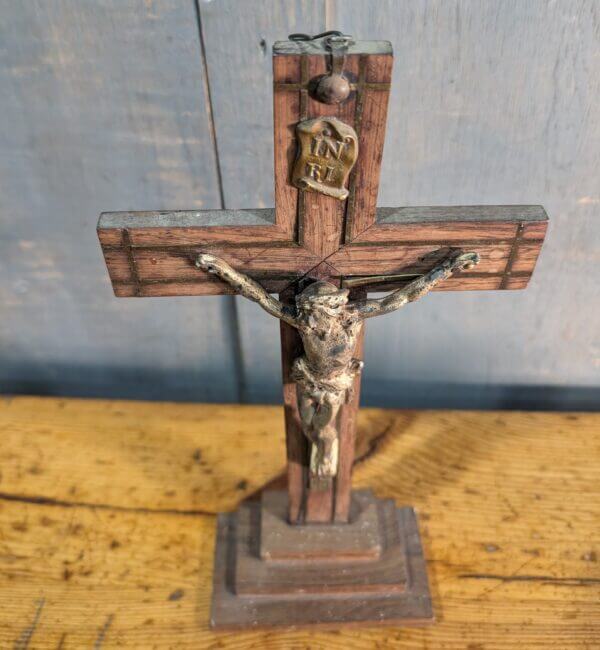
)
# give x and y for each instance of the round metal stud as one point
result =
(332, 89)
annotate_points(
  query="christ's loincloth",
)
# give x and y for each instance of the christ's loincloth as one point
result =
(334, 384)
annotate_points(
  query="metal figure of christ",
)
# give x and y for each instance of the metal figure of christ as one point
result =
(329, 325)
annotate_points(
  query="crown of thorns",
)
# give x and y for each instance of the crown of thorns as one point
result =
(323, 293)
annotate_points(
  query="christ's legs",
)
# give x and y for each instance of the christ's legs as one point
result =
(318, 412)
(325, 451)
(307, 408)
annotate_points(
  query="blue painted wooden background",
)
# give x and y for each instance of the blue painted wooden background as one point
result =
(134, 105)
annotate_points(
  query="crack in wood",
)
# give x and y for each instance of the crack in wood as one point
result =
(22, 643)
(513, 255)
(103, 632)
(62, 503)
(375, 443)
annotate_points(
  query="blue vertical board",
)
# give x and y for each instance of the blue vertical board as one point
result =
(103, 107)
(493, 103)
(112, 106)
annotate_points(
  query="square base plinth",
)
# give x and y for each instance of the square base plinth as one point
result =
(360, 539)
(387, 584)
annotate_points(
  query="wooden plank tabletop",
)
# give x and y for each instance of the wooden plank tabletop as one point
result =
(107, 522)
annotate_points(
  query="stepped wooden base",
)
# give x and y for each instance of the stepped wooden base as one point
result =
(369, 571)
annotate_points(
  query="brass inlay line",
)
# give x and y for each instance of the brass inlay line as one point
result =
(303, 90)
(256, 275)
(132, 265)
(513, 254)
(358, 114)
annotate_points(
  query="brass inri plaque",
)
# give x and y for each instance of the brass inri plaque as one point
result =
(327, 151)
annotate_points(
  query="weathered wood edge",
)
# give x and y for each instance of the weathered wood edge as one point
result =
(186, 218)
(266, 216)
(442, 213)
(283, 48)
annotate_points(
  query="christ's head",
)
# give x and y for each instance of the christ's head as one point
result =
(321, 300)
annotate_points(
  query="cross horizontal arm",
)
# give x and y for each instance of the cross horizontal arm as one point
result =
(188, 227)
(417, 288)
(153, 253)
(410, 241)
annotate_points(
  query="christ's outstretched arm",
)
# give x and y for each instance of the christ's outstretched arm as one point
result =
(246, 287)
(413, 291)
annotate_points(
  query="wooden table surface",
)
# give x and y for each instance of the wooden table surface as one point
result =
(107, 522)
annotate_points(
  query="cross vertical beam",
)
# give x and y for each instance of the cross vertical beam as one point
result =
(324, 225)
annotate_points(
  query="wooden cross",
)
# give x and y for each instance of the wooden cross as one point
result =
(310, 235)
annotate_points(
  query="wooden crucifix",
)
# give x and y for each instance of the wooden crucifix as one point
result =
(322, 249)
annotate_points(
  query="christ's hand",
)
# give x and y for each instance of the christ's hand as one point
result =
(465, 261)
(456, 261)
(207, 262)
(245, 286)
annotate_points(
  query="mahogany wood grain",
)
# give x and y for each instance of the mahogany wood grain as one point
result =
(322, 217)
(286, 114)
(118, 265)
(296, 443)
(411, 240)
(319, 503)
(360, 539)
(199, 287)
(536, 229)
(455, 223)
(418, 258)
(515, 282)
(384, 573)
(370, 122)
(248, 592)
(526, 255)
(177, 264)
(323, 271)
